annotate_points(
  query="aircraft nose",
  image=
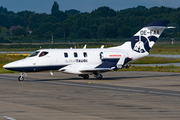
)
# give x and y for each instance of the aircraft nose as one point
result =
(9, 65)
(5, 66)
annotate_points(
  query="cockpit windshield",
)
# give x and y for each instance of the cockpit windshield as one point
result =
(34, 54)
(43, 54)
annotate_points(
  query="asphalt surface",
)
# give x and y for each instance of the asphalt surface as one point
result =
(119, 96)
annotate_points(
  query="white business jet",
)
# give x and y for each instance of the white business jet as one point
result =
(85, 62)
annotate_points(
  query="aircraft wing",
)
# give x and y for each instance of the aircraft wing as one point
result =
(96, 69)
(107, 65)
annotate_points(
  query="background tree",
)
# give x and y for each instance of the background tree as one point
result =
(19, 32)
(5, 31)
(107, 30)
(15, 20)
(3, 20)
(37, 33)
(2, 40)
(104, 12)
(25, 16)
(172, 32)
(102, 22)
(60, 32)
(72, 12)
(35, 20)
(55, 8)
(83, 33)
(125, 32)
(48, 35)
(93, 30)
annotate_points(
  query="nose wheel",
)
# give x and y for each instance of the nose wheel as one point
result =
(21, 77)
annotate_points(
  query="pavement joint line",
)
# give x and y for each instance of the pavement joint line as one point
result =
(8, 78)
(9, 118)
(120, 89)
(164, 93)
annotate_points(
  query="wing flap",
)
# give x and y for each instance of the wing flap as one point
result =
(108, 65)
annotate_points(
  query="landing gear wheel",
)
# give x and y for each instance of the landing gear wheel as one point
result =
(21, 78)
(99, 76)
(86, 76)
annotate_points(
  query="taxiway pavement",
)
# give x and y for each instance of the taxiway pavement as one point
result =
(120, 95)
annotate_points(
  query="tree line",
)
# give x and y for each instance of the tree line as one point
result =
(103, 22)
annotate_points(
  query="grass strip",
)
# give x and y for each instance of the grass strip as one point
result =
(155, 60)
(170, 68)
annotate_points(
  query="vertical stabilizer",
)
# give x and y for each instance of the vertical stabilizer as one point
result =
(144, 39)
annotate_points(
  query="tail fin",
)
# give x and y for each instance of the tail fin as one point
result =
(144, 39)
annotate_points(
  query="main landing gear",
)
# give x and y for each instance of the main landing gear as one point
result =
(96, 75)
(85, 76)
(21, 77)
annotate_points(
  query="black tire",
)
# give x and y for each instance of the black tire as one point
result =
(86, 76)
(99, 77)
(21, 78)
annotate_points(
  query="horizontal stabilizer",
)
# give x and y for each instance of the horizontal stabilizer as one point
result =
(159, 27)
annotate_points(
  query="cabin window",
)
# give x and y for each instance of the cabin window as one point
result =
(157, 32)
(85, 54)
(34, 54)
(75, 54)
(65, 55)
(43, 54)
(154, 32)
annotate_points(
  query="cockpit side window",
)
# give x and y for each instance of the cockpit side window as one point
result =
(34, 54)
(43, 54)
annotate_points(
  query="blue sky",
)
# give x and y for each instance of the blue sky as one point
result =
(44, 6)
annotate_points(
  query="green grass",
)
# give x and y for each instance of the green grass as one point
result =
(166, 49)
(155, 60)
(170, 68)
(4, 59)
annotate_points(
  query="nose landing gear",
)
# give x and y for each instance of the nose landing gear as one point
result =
(21, 77)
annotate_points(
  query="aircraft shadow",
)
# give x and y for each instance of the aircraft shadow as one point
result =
(105, 78)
